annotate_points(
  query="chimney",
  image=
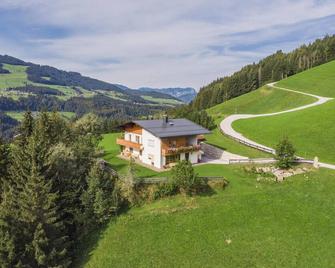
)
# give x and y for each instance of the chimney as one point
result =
(165, 119)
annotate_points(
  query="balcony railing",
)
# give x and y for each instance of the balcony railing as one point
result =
(181, 149)
(129, 144)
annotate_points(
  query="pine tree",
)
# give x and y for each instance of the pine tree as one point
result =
(44, 232)
(4, 164)
(101, 197)
(43, 240)
(26, 127)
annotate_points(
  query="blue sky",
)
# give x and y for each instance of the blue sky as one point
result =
(158, 43)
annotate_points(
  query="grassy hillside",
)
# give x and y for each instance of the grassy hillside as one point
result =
(312, 130)
(319, 80)
(269, 69)
(18, 77)
(263, 100)
(249, 224)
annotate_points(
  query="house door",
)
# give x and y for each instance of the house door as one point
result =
(187, 156)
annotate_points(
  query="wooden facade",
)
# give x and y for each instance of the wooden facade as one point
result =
(128, 144)
(133, 129)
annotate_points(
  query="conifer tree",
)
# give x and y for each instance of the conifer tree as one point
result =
(4, 164)
(43, 240)
(101, 197)
(26, 127)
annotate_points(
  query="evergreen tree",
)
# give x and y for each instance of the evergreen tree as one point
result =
(101, 197)
(42, 239)
(26, 127)
(4, 164)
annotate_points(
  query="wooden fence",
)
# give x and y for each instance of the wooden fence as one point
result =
(252, 160)
(156, 180)
(258, 147)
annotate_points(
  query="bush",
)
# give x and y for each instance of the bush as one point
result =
(285, 153)
(184, 179)
(128, 188)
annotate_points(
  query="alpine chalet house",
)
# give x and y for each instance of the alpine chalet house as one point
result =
(161, 143)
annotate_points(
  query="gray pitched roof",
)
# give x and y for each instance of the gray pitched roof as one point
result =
(173, 128)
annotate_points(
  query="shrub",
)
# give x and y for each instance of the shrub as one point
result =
(128, 187)
(285, 153)
(184, 178)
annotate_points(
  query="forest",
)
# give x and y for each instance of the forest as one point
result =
(53, 190)
(270, 69)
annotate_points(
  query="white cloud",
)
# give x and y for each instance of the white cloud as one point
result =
(160, 43)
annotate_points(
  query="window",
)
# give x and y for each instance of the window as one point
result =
(151, 143)
(172, 159)
(173, 143)
(129, 137)
(137, 139)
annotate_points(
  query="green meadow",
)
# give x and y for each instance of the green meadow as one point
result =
(319, 80)
(312, 130)
(161, 100)
(263, 100)
(249, 224)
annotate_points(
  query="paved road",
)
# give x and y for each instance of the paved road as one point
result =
(226, 124)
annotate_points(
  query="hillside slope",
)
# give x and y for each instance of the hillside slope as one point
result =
(270, 69)
(312, 130)
(25, 85)
(262, 100)
(246, 225)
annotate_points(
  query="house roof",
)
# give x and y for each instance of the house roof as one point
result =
(173, 128)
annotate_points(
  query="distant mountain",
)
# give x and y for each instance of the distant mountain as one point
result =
(25, 85)
(186, 94)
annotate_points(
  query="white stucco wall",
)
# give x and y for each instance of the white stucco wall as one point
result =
(151, 149)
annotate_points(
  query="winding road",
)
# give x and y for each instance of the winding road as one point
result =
(226, 124)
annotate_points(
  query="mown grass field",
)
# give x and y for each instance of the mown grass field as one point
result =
(263, 100)
(319, 80)
(312, 131)
(249, 224)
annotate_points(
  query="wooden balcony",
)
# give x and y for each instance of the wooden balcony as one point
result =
(129, 144)
(180, 149)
